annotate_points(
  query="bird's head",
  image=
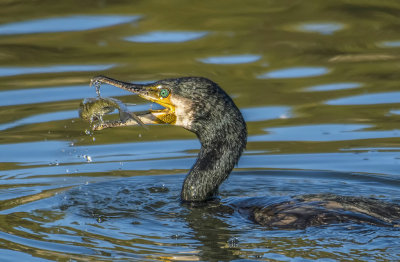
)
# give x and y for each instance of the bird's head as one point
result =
(195, 103)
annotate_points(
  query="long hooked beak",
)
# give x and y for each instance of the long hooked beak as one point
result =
(134, 88)
(149, 92)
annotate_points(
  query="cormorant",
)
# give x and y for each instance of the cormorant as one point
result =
(202, 107)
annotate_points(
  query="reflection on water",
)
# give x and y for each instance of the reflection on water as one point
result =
(233, 59)
(391, 44)
(64, 24)
(295, 72)
(335, 86)
(43, 95)
(12, 71)
(368, 99)
(166, 37)
(318, 85)
(322, 28)
(256, 114)
(324, 132)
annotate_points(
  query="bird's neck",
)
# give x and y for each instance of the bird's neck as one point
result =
(221, 148)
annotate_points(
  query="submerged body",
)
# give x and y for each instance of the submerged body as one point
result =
(202, 107)
(303, 211)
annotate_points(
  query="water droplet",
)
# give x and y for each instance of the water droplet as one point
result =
(54, 163)
(233, 242)
(97, 85)
(88, 158)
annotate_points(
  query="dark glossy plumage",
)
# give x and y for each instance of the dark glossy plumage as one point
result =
(222, 132)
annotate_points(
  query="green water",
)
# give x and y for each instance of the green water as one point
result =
(317, 82)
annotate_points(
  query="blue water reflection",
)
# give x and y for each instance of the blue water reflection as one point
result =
(390, 44)
(367, 99)
(173, 155)
(266, 113)
(62, 93)
(10, 255)
(321, 28)
(60, 158)
(65, 24)
(166, 37)
(231, 59)
(12, 71)
(369, 162)
(52, 246)
(335, 86)
(41, 118)
(44, 152)
(323, 132)
(295, 72)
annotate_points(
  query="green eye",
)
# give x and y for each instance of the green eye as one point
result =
(164, 93)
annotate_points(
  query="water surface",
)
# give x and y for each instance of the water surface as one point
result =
(317, 83)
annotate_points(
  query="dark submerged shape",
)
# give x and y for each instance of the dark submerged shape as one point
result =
(202, 107)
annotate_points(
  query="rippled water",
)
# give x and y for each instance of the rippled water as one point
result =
(318, 84)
